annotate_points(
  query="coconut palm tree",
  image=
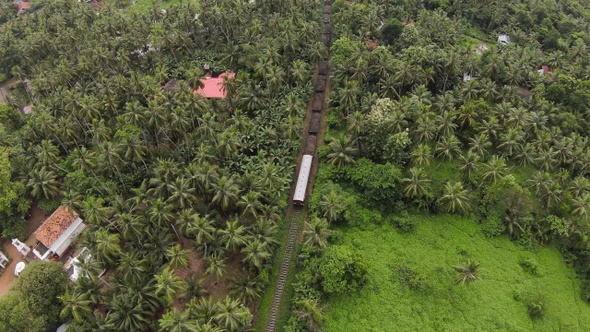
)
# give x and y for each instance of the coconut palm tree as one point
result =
(204, 230)
(245, 287)
(525, 154)
(204, 309)
(181, 193)
(250, 204)
(177, 321)
(311, 313)
(331, 205)
(422, 155)
(225, 192)
(43, 183)
(416, 184)
(127, 313)
(581, 207)
(340, 153)
(494, 169)
(448, 147)
(455, 198)
(467, 273)
(468, 163)
(479, 144)
(316, 232)
(232, 236)
(106, 245)
(256, 253)
(168, 285)
(232, 315)
(177, 257)
(216, 265)
(76, 306)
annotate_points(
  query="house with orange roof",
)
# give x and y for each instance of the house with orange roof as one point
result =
(57, 233)
(22, 6)
(213, 86)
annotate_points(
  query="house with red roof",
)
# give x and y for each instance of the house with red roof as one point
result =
(544, 70)
(57, 233)
(213, 86)
(22, 6)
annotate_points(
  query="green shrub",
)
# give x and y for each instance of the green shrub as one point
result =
(49, 205)
(336, 237)
(530, 265)
(342, 270)
(14, 228)
(402, 222)
(408, 277)
(535, 305)
(492, 226)
(358, 216)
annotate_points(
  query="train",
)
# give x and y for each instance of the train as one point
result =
(317, 106)
(302, 179)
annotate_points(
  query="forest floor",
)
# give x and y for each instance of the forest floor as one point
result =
(493, 303)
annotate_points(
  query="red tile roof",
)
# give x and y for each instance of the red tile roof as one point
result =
(96, 4)
(22, 6)
(55, 225)
(213, 87)
(372, 44)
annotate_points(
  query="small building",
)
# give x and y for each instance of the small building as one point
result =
(74, 268)
(28, 109)
(372, 44)
(22, 6)
(503, 39)
(57, 233)
(213, 86)
(170, 86)
(481, 48)
(544, 70)
(96, 5)
(21, 247)
(3, 260)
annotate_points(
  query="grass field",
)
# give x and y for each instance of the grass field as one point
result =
(493, 303)
(144, 5)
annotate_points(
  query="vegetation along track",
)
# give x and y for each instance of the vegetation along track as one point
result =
(294, 229)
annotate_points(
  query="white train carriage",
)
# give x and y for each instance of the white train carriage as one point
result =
(301, 188)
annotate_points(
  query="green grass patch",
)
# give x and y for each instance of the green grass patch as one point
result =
(469, 42)
(412, 288)
(440, 171)
(144, 5)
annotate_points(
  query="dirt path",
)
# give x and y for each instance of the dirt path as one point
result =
(7, 278)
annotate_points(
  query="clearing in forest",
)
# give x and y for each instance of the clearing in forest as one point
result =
(411, 283)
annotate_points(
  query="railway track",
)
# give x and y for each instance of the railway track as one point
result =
(284, 271)
(310, 143)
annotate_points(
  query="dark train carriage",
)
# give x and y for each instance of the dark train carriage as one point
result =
(326, 18)
(322, 67)
(327, 29)
(318, 101)
(327, 2)
(320, 83)
(314, 124)
(326, 39)
(311, 141)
